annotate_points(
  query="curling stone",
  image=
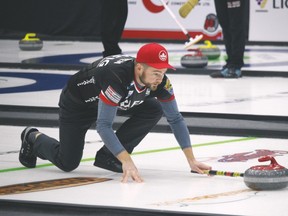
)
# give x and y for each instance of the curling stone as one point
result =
(210, 50)
(195, 59)
(266, 177)
(30, 42)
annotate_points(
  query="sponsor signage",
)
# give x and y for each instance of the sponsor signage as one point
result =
(148, 19)
(268, 20)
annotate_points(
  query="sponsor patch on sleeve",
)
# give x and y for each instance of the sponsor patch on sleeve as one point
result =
(168, 87)
(112, 95)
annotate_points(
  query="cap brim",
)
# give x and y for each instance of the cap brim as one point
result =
(161, 66)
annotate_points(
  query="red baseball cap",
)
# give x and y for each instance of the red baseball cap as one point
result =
(154, 55)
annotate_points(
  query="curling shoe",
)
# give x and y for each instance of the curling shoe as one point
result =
(230, 73)
(26, 156)
(108, 162)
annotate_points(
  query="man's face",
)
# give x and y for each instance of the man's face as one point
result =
(152, 77)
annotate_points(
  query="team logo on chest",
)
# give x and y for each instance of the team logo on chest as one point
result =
(134, 97)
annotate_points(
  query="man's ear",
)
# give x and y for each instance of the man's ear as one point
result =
(139, 67)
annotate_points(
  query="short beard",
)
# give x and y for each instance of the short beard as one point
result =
(151, 87)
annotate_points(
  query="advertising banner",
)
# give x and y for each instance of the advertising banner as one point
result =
(268, 20)
(148, 19)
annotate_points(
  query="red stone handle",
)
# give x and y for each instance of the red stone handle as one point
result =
(273, 165)
(267, 158)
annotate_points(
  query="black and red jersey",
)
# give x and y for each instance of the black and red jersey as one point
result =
(112, 80)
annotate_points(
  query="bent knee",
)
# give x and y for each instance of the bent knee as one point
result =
(69, 167)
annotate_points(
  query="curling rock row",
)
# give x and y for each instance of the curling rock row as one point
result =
(210, 50)
(195, 59)
(269, 177)
(30, 42)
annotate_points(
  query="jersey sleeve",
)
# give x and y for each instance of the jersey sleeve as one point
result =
(112, 91)
(177, 123)
(105, 119)
(165, 91)
(110, 96)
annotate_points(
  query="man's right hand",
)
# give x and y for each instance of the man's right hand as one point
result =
(129, 168)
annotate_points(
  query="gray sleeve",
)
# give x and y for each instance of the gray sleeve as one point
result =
(177, 123)
(105, 119)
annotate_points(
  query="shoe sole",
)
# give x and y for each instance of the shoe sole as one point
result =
(23, 135)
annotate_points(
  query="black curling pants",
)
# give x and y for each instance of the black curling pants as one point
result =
(114, 16)
(233, 18)
(74, 122)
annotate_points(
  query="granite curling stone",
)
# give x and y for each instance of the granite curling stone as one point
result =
(30, 42)
(195, 59)
(266, 177)
(210, 50)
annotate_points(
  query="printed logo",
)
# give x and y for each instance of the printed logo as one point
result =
(129, 93)
(91, 99)
(245, 156)
(168, 87)
(233, 4)
(120, 61)
(147, 92)
(163, 55)
(261, 3)
(211, 23)
(86, 82)
(152, 7)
